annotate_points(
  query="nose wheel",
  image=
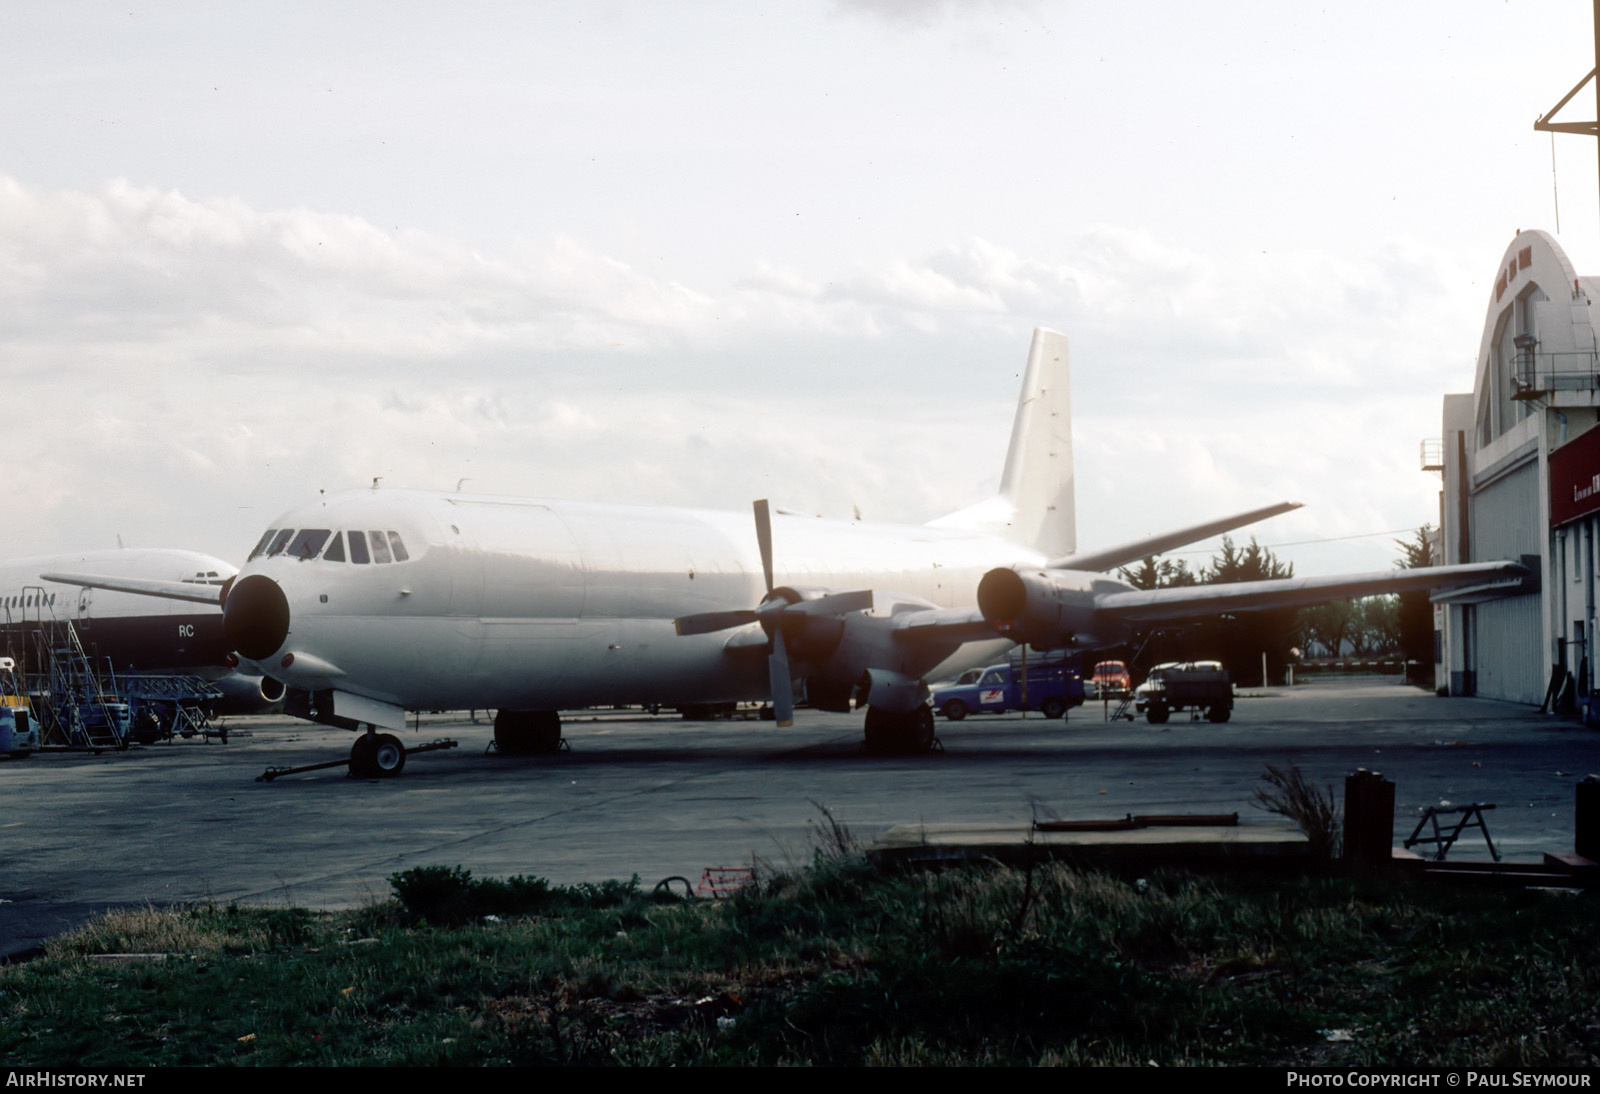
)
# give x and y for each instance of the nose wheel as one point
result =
(377, 756)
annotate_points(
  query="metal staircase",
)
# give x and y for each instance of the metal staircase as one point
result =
(75, 706)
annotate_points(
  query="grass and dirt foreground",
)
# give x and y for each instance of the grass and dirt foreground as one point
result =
(839, 963)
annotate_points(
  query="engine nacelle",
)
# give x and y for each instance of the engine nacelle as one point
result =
(243, 694)
(1050, 609)
(867, 642)
(892, 691)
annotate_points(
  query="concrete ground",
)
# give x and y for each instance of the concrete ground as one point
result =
(657, 797)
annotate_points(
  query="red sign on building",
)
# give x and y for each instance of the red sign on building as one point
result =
(1575, 479)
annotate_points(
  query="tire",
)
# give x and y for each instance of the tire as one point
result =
(955, 710)
(363, 764)
(1219, 713)
(899, 733)
(1053, 708)
(147, 728)
(1156, 714)
(527, 732)
(388, 756)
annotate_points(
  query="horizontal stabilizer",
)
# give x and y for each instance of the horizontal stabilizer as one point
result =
(1144, 548)
(1196, 601)
(169, 590)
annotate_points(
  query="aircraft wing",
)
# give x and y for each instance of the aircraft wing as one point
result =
(171, 590)
(943, 624)
(1194, 601)
(1084, 611)
(1125, 553)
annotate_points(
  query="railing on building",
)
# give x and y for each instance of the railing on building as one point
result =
(1539, 373)
(1433, 454)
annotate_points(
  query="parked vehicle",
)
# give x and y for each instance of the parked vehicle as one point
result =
(1141, 694)
(968, 677)
(19, 733)
(19, 730)
(1054, 687)
(1189, 687)
(1111, 680)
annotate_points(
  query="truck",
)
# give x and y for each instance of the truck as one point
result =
(19, 730)
(1195, 687)
(19, 733)
(1054, 686)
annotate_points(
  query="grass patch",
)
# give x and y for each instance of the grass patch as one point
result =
(451, 896)
(837, 964)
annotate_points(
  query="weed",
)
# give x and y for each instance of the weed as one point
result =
(1289, 793)
(451, 896)
(831, 840)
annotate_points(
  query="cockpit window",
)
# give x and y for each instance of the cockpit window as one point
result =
(280, 542)
(308, 544)
(262, 545)
(368, 546)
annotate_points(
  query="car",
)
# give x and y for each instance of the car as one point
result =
(1111, 679)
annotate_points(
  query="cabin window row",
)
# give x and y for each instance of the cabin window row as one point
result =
(331, 546)
(29, 600)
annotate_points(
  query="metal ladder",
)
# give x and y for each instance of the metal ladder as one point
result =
(1128, 699)
(79, 712)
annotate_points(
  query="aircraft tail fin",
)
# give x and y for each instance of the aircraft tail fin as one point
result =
(1035, 506)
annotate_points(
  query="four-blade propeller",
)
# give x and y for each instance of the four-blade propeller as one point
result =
(780, 609)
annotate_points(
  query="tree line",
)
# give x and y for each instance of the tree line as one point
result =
(1397, 625)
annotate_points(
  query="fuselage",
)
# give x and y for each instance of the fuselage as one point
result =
(128, 630)
(542, 604)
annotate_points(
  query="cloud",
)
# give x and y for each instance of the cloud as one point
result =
(192, 367)
(921, 14)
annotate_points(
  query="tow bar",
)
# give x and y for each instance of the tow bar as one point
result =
(274, 772)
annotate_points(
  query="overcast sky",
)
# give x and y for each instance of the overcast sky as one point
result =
(700, 253)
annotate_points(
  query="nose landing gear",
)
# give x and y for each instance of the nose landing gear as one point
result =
(377, 756)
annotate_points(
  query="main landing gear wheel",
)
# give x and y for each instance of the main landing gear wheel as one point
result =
(899, 733)
(527, 732)
(377, 756)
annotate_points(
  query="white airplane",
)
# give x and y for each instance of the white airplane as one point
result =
(371, 603)
(130, 631)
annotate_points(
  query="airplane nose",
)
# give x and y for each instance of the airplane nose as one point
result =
(255, 618)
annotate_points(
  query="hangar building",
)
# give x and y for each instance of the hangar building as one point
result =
(1521, 463)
